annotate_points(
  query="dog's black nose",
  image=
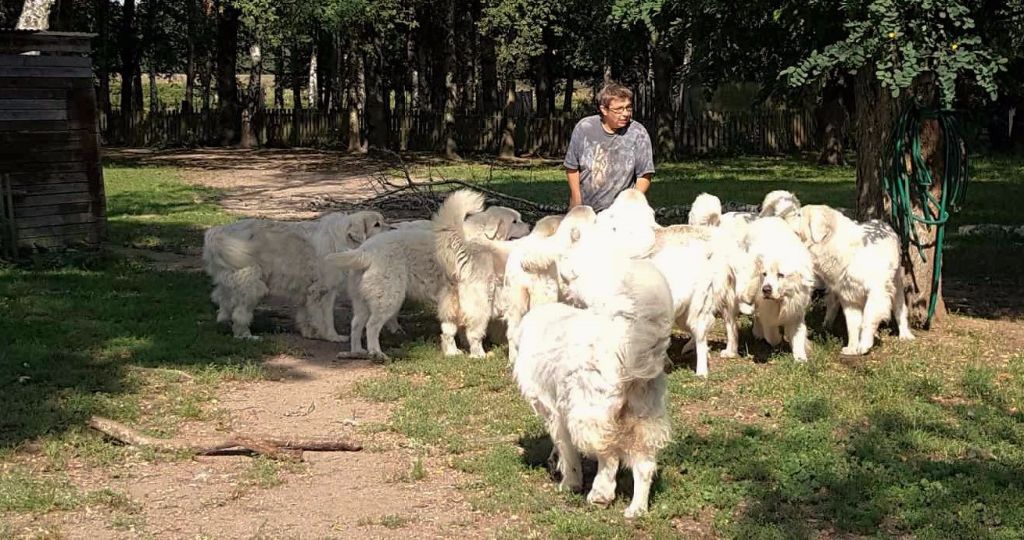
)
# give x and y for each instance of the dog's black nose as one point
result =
(767, 289)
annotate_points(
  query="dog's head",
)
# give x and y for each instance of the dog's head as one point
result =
(705, 210)
(570, 230)
(816, 224)
(546, 226)
(356, 228)
(629, 209)
(500, 223)
(780, 274)
(780, 203)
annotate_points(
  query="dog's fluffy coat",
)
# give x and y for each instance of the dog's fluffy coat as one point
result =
(595, 375)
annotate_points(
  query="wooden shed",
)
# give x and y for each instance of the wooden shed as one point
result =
(51, 180)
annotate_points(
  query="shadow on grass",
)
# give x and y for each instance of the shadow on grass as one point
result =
(71, 336)
(879, 477)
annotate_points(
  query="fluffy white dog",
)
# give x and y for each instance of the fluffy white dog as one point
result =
(473, 267)
(860, 265)
(596, 375)
(252, 258)
(780, 283)
(401, 264)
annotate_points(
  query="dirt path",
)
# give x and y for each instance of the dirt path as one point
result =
(277, 184)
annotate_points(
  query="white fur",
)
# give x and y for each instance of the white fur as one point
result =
(252, 258)
(860, 265)
(596, 375)
(780, 283)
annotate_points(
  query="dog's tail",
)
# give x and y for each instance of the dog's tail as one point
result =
(452, 249)
(650, 317)
(225, 253)
(352, 260)
(705, 210)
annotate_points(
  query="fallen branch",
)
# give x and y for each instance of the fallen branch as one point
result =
(285, 449)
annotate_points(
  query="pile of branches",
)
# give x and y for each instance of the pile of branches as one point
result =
(400, 197)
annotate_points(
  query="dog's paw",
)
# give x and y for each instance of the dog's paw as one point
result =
(851, 351)
(635, 511)
(728, 354)
(907, 337)
(336, 338)
(380, 357)
(570, 485)
(600, 498)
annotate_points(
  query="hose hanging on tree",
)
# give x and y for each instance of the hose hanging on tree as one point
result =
(904, 186)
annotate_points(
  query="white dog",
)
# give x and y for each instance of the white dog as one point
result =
(252, 258)
(780, 283)
(473, 265)
(401, 264)
(860, 265)
(596, 375)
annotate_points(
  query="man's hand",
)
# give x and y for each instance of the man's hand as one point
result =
(575, 197)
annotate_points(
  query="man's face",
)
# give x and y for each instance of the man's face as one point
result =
(618, 113)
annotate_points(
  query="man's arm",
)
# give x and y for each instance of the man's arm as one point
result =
(575, 197)
(644, 182)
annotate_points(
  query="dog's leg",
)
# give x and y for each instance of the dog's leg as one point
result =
(699, 330)
(756, 328)
(475, 305)
(732, 333)
(899, 308)
(241, 318)
(831, 309)
(222, 298)
(447, 314)
(603, 491)
(796, 333)
(360, 314)
(876, 309)
(373, 327)
(393, 327)
(324, 319)
(768, 314)
(644, 468)
(853, 320)
(569, 463)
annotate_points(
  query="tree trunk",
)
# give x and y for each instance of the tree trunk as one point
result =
(207, 82)
(228, 23)
(128, 45)
(35, 15)
(489, 91)
(376, 117)
(253, 98)
(103, 66)
(568, 91)
(874, 109)
(356, 79)
(154, 93)
(507, 150)
(279, 78)
(314, 88)
(832, 121)
(451, 91)
(190, 55)
(540, 86)
(137, 100)
(297, 76)
(663, 119)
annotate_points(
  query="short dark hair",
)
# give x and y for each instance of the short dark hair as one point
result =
(613, 90)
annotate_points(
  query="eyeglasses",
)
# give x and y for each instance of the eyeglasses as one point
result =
(620, 110)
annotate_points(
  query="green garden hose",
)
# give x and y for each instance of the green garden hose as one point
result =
(907, 187)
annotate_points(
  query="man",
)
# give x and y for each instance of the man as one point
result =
(609, 152)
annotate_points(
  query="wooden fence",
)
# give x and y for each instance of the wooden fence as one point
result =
(707, 133)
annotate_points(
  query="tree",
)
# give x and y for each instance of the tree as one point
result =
(35, 15)
(902, 51)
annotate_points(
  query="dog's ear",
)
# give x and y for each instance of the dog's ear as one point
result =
(753, 277)
(819, 225)
(357, 229)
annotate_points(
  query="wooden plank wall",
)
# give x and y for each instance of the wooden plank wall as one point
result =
(49, 142)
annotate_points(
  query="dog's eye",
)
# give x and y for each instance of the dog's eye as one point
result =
(780, 276)
(764, 274)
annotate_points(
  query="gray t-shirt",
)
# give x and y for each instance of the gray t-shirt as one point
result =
(608, 162)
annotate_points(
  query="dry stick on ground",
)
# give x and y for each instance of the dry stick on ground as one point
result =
(273, 447)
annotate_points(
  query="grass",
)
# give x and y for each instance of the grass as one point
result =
(922, 439)
(102, 334)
